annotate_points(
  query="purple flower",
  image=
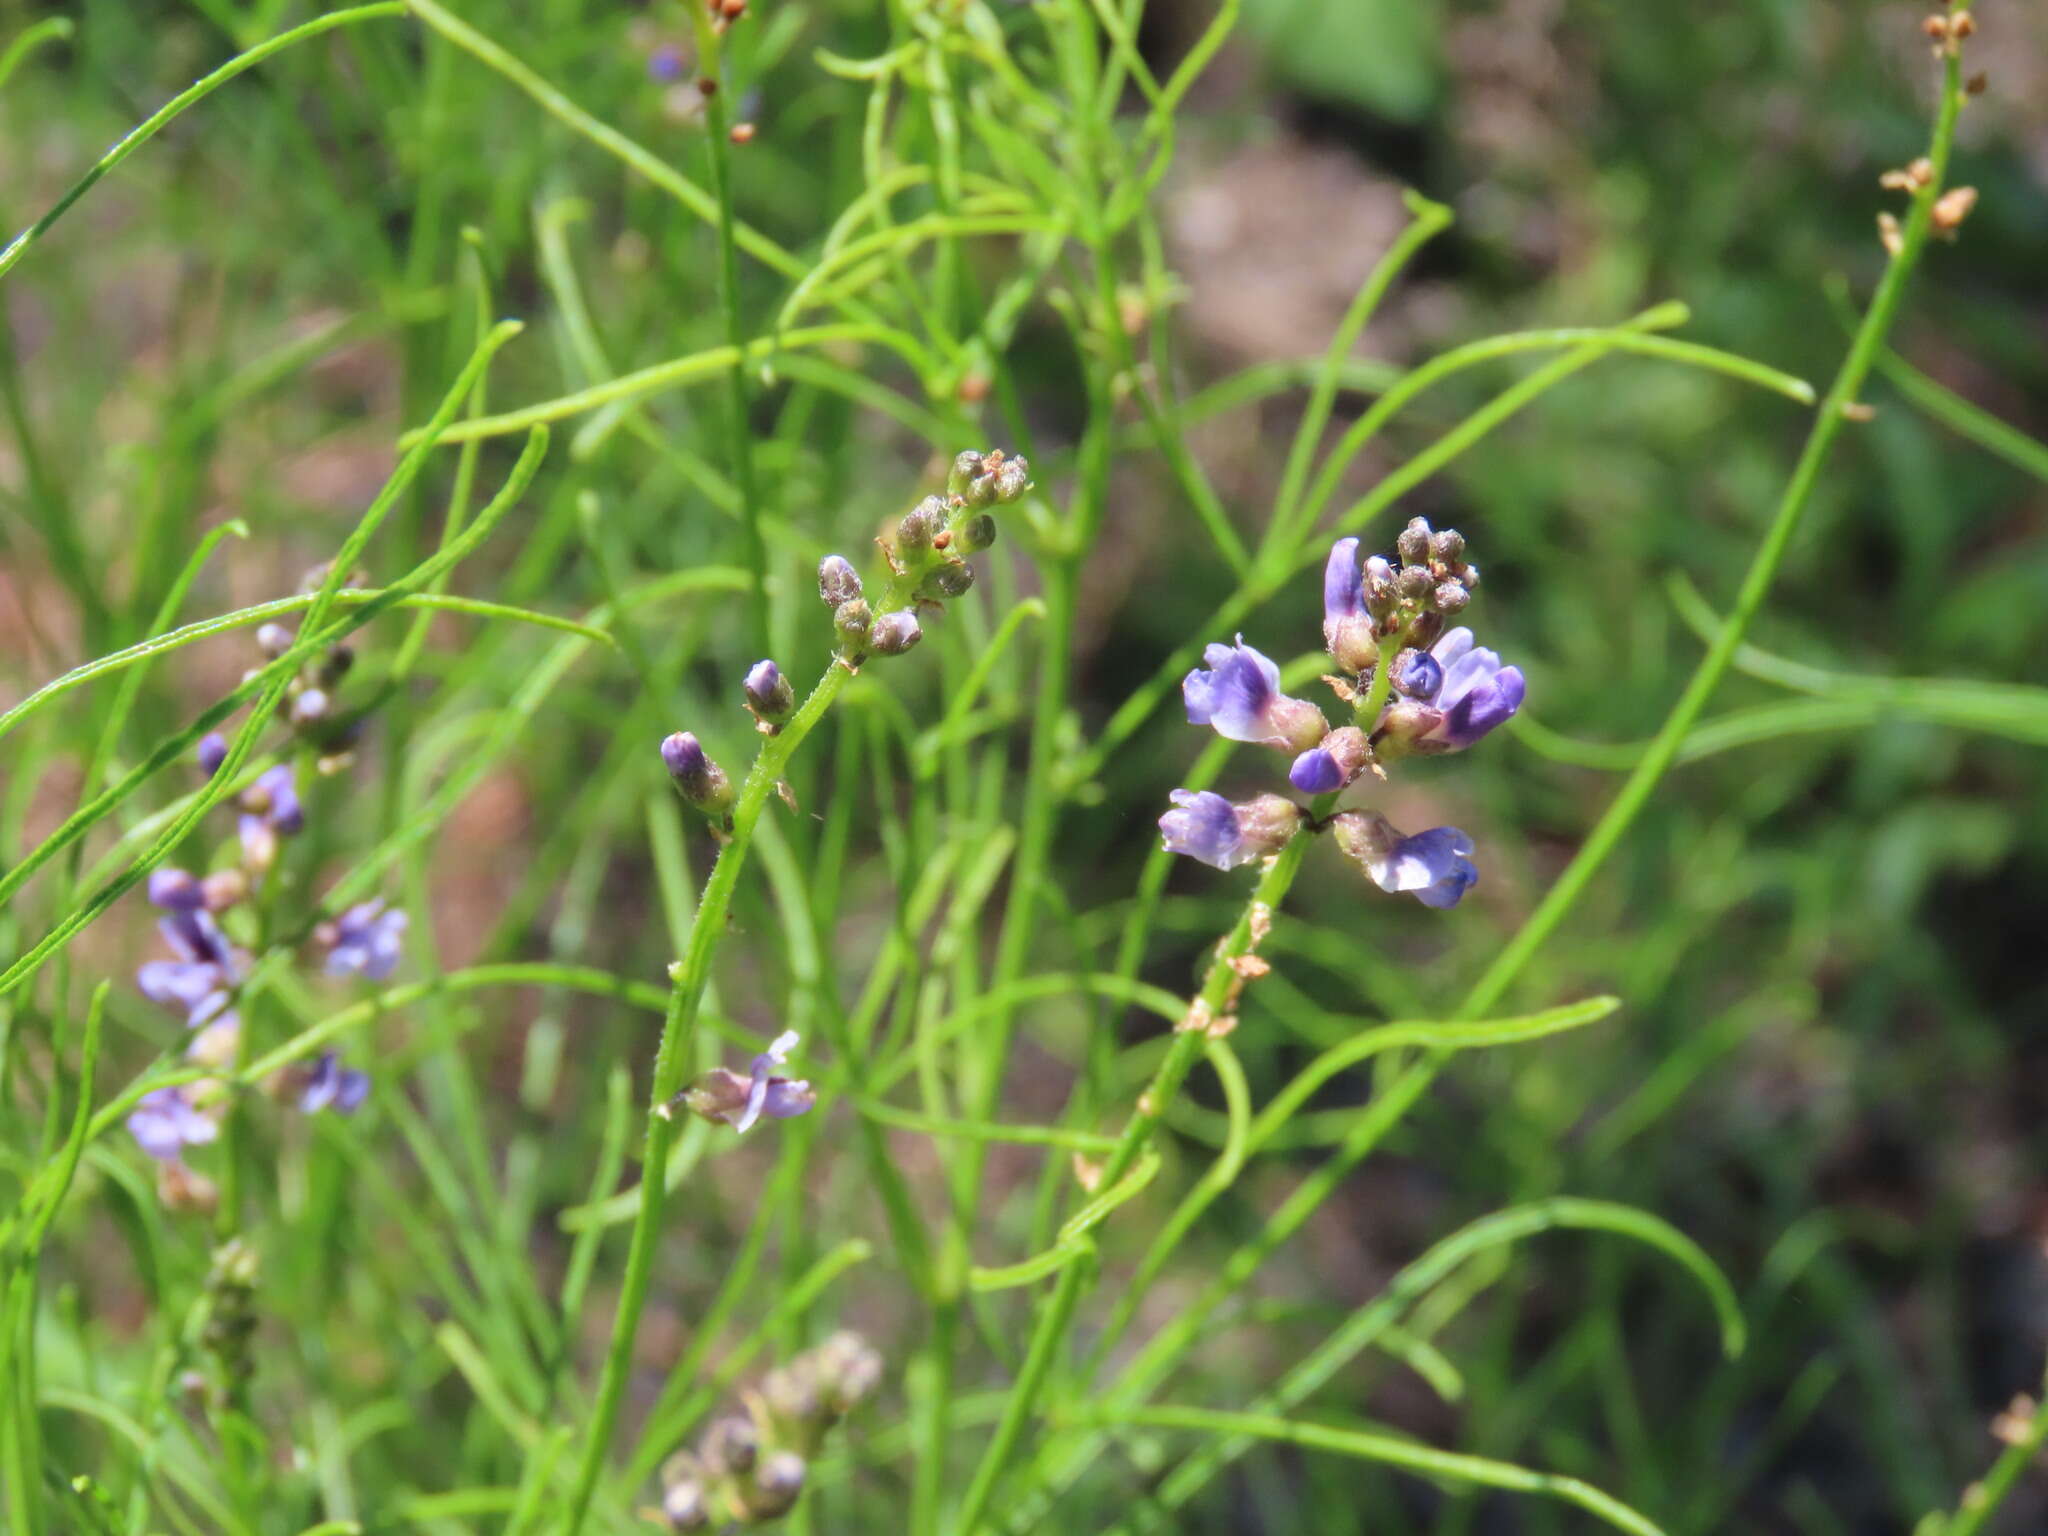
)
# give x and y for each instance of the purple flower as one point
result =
(723, 1095)
(213, 751)
(366, 941)
(769, 694)
(1331, 764)
(198, 983)
(1205, 826)
(1435, 867)
(1419, 675)
(164, 1123)
(1477, 692)
(696, 777)
(666, 64)
(1316, 772)
(175, 890)
(270, 809)
(1237, 691)
(330, 1085)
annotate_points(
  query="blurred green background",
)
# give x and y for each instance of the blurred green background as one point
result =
(1830, 1068)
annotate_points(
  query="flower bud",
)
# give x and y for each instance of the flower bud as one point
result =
(950, 580)
(1447, 546)
(273, 640)
(1012, 480)
(698, 779)
(1296, 723)
(1378, 586)
(921, 524)
(1414, 582)
(1450, 597)
(838, 581)
(178, 1188)
(777, 1485)
(730, 1445)
(683, 1505)
(335, 665)
(792, 1393)
(851, 621)
(1413, 544)
(175, 890)
(1424, 629)
(1335, 762)
(1352, 643)
(768, 692)
(213, 751)
(977, 533)
(1267, 823)
(1404, 727)
(1417, 674)
(848, 1368)
(309, 706)
(966, 469)
(895, 633)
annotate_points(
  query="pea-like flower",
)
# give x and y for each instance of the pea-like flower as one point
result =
(201, 980)
(724, 1096)
(330, 1085)
(1435, 867)
(1205, 826)
(165, 1122)
(1237, 691)
(1348, 629)
(1477, 693)
(367, 940)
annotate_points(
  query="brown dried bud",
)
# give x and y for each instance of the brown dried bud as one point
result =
(742, 133)
(1952, 207)
(1888, 234)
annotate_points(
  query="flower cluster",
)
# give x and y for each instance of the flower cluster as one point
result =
(208, 966)
(927, 564)
(1413, 688)
(723, 1096)
(749, 1468)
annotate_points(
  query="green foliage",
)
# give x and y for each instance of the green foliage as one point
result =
(1738, 1014)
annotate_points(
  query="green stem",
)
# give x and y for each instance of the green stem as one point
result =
(1981, 1500)
(1214, 1002)
(718, 154)
(148, 128)
(691, 975)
